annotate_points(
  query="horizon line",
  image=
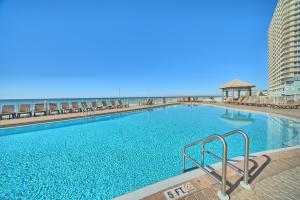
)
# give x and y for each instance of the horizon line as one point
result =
(56, 98)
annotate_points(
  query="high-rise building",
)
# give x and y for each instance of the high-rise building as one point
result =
(284, 47)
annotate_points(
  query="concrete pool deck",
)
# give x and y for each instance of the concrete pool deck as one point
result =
(272, 175)
(58, 117)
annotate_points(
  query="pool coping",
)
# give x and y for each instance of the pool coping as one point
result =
(172, 181)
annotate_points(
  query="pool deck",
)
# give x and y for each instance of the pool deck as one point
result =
(58, 117)
(272, 175)
(289, 113)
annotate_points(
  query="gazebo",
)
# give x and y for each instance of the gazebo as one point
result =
(236, 86)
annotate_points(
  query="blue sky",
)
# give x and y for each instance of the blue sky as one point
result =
(89, 48)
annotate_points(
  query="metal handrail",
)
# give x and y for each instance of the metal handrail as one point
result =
(246, 155)
(201, 166)
(222, 194)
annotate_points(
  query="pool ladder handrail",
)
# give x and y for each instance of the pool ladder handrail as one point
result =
(222, 193)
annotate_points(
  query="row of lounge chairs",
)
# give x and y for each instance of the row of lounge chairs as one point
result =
(52, 108)
(210, 100)
(188, 99)
(266, 102)
(197, 100)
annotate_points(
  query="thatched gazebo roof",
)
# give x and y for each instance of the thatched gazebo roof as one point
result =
(236, 84)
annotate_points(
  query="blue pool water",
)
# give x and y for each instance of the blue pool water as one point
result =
(104, 157)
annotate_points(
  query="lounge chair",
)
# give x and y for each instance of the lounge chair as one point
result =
(105, 106)
(113, 104)
(85, 107)
(254, 101)
(298, 103)
(149, 102)
(39, 108)
(123, 105)
(119, 104)
(269, 102)
(246, 101)
(24, 109)
(261, 102)
(265, 102)
(239, 101)
(242, 101)
(277, 104)
(288, 104)
(95, 106)
(65, 108)
(75, 107)
(180, 99)
(8, 110)
(231, 101)
(208, 101)
(291, 104)
(250, 101)
(53, 109)
(212, 100)
(227, 100)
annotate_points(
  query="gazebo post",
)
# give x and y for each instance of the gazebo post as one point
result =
(222, 95)
(239, 93)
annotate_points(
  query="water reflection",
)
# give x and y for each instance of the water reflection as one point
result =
(237, 118)
(285, 132)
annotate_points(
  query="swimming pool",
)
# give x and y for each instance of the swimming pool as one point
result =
(106, 156)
